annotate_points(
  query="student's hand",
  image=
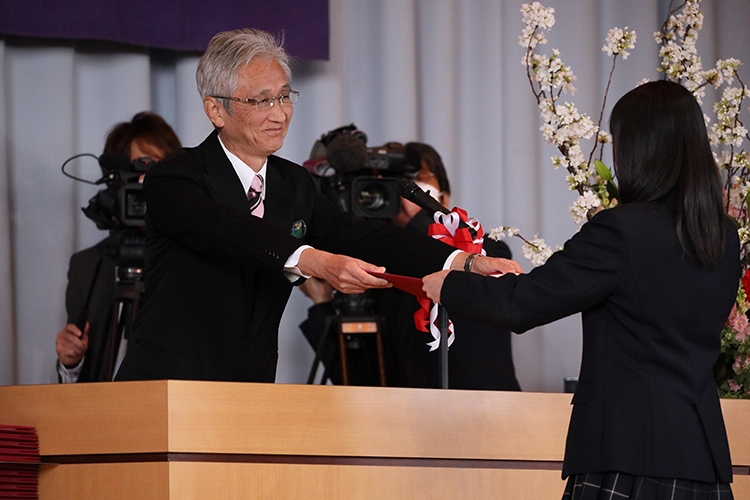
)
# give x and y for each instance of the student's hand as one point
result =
(433, 283)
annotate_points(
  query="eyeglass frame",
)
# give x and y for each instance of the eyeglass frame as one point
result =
(270, 101)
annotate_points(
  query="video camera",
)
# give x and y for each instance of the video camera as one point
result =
(121, 209)
(122, 204)
(361, 180)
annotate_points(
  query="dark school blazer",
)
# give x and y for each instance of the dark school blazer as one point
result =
(646, 401)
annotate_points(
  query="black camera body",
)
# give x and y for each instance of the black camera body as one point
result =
(361, 180)
(121, 205)
(121, 209)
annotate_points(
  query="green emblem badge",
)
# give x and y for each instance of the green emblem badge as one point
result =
(299, 229)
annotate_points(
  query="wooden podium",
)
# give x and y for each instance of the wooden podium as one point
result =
(202, 440)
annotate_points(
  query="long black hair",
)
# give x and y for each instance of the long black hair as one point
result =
(662, 152)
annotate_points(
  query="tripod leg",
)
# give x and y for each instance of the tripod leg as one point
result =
(123, 331)
(443, 347)
(381, 362)
(131, 314)
(324, 353)
(316, 360)
(342, 355)
(113, 342)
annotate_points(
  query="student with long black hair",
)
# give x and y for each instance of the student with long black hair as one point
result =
(655, 279)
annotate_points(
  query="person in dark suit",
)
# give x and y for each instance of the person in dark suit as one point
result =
(481, 358)
(655, 279)
(230, 226)
(81, 355)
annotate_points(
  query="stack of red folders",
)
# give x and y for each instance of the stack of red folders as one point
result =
(19, 462)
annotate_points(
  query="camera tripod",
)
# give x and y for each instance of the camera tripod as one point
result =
(345, 335)
(123, 309)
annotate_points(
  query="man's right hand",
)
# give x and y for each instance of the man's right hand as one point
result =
(345, 274)
(72, 344)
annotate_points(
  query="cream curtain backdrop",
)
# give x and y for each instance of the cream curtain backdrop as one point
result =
(445, 72)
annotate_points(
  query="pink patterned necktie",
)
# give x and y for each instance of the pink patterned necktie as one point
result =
(254, 198)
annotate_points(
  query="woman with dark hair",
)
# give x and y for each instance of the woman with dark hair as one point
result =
(655, 279)
(481, 357)
(146, 135)
(430, 166)
(82, 355)
(671, 160)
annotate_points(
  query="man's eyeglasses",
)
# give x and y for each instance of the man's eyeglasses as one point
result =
(287, 98)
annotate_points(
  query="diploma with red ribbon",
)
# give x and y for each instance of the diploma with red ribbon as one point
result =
(446, 228)
(405, 283)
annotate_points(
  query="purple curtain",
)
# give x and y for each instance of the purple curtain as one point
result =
(170, 24)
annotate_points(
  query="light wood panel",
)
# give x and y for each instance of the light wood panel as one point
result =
(741, 487)
(293, 482)
(207, 481)
(367, 421)
(90, 418)
(222, 481)
(181, 416)
(141, 481)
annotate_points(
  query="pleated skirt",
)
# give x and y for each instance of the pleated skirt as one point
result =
(620, 486)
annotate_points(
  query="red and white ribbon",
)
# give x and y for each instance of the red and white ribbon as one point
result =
(446, 229)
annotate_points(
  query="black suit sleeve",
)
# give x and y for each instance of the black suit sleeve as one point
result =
(400, 250)
(573, 279)
(209, 216)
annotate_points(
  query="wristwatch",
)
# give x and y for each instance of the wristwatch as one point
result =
(470, 261)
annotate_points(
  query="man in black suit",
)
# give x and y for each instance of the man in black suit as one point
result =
(230, 227)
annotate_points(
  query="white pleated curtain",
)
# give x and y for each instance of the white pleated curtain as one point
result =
(445, 72)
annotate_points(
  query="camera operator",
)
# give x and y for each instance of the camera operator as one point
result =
(481, 356)
(80, 355)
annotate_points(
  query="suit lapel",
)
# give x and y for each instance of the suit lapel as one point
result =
(221, 175)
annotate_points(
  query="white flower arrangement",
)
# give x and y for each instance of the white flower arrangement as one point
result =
(565, 127)
(534, 250)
